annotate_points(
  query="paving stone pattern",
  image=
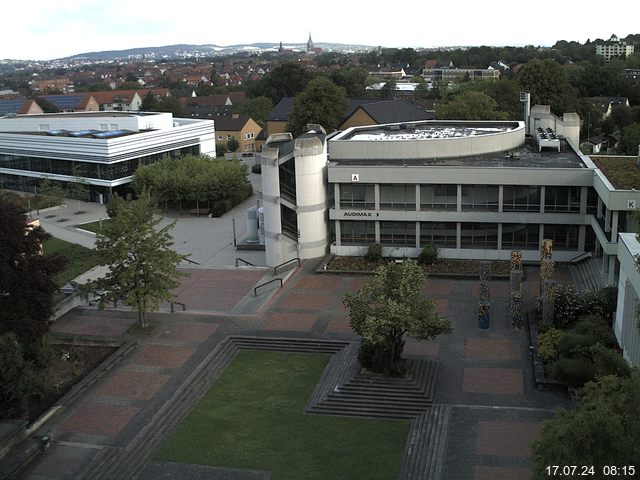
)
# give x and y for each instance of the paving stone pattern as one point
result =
(477, 425)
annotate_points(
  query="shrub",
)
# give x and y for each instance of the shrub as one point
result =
(573, 344)
(428, 255)
(256, 168)
(601, 302)
(575, 372)
(547, 345)
(219, 207)
(596, 327)
(374, 253)
(567, 306)
(609, 362)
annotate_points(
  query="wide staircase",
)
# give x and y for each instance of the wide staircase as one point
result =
(586, 275)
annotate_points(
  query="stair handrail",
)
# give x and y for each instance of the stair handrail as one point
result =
(255, 290)
(184, 257)
(275, 269)
(580, 257)
(184, 307)
(243, 260)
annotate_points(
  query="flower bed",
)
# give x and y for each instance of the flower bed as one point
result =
(441, 267)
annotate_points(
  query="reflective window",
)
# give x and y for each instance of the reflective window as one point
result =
(357, 233)
(480, 197)
(440, 234)
(357, 196)
(479, 235)
(520, 236)
(438, 197)
(520, 198)
(398, 196)
(565, 237)
(398, 234)
(562, 199)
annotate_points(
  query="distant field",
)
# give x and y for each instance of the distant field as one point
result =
(253, 418)
(79, 258)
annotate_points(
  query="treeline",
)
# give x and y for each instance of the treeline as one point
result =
(195, 182)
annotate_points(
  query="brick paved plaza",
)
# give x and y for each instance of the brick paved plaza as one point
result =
(485, 376)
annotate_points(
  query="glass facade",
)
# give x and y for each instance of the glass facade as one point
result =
(440, 234)
(398, 234)
(479, 235)
(520, 236)
(438, 197)
(357, 196)
(480, 197)
(287, 172)
(357, 233)
(289, 220)
(98, 171)
(562, 199)
(398, 197)
(565, 237)
(520, 198)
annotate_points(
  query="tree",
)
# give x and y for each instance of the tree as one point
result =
(233, 144)
(257, 108)
(602, 430)
(26, 276)
(353, 79)
(630, 139)
(548, 84)
(143, 269)
(286, 80)
(322, 102)
(389, 306)
(388, 90)
(470, 105)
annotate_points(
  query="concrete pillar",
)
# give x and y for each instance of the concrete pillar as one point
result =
(417, 234)
(583, 200)
(336, 195)
(500, 230)
(612, 270)
(500, 201)
(614, 226)
(377, 231)
(338, 233)
(417, 197)
(271, 203)
(376, 195)
(542, 195)
(582, 233)
(459, 199)
(458, 232)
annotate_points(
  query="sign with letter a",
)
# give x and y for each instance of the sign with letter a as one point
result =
(355, 177)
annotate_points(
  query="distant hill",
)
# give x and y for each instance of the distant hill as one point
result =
(191, 51)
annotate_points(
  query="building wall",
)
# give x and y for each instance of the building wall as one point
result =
(276, 126)
(625, 325)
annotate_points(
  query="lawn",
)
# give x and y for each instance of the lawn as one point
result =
(253, 418)
(93, 226)
(79, 258)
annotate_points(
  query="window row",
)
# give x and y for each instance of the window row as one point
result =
(472, 235)
(516, 198)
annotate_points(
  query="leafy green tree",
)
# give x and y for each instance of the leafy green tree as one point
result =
(422, 91)
(233, 144)
(322, 102)
(602, 430)
(470, 105)
(506, 94)
(548, 84)
(353, 79)
(257, 108)
(388, 90)
(149, 103)
(53, 190)
(630, 139)
(143, 268)
(26, 276)
(285, 80)
(389, 306)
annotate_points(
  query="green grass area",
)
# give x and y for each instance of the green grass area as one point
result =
(253, 418)
(93, 226)
(79, 258)
(622, 172)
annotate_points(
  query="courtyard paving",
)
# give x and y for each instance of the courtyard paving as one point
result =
(485, 376)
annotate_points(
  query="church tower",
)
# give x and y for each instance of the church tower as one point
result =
(309, 44)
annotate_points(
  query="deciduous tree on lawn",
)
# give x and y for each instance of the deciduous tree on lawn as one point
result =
(389, 306)
(143, 268)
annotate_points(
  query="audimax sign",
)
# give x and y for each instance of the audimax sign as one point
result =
(360, 214)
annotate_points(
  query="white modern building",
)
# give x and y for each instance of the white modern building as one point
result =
(476, 190)
(614, 47)
(102, 148)
(625, 325)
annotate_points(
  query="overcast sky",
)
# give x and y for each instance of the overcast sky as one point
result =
(42, 29)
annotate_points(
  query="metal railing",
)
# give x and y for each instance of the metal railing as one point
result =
(244, 261)
(184, 307)
(190, 261)
(580, 257)
(275, 269)
(255, 290)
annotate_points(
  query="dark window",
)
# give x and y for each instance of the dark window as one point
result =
(398, 234)
(357, 233)
(398, 197)
(479, 235)
(440, 234)
(289, 220)
(524, 236)
(357, 196)
(480, 197)
(520, 198)
(287, 173)
(438, 197)
(562, 199)
(565, 237)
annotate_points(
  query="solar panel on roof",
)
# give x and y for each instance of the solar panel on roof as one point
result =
(65, 101)
(81, 133)
(10, 106)
(111, 134)
(57, 132)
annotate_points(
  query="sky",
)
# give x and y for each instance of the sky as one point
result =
(44, 30)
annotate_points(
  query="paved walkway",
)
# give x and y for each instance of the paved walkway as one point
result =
(485, 378)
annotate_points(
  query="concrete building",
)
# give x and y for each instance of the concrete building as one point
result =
(476, 190)
(614, 47)
(102, 149)
(625, 325)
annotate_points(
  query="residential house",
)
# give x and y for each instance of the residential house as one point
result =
(241, 127)
(63, 85)
(614, 47)
(118, 100)
(73, 102)
(19, 106)
(607, 104)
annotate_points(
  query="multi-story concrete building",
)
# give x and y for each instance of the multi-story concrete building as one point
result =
(614, 47)
(101, 149)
